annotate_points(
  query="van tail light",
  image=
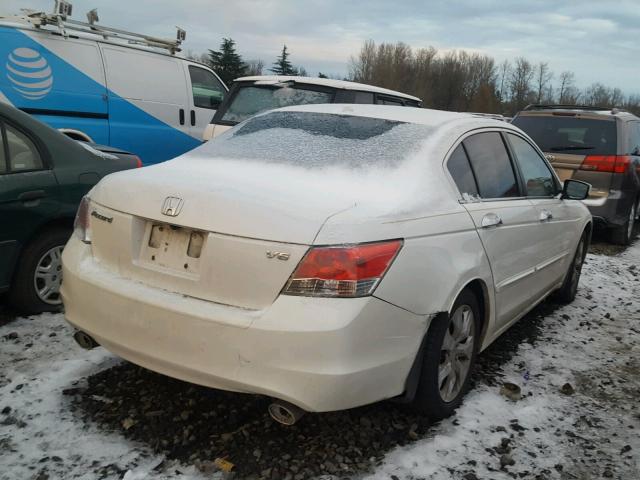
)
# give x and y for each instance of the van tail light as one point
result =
(81, 227)
(606, 163)
(342, 271)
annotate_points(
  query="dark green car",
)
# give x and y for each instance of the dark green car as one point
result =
(43, 176)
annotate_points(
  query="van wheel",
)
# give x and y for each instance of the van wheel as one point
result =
(624, 234)
(450, 354)
(36, 284)
(569, 289)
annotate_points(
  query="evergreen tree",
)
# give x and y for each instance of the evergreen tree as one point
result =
(322, 75)
(282, 65)
(226, 62)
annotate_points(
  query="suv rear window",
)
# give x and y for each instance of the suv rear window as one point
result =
(580, 136)
(251, 100)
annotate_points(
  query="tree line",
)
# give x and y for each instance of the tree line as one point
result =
(462, 81)
(447, 80)
(229, 65)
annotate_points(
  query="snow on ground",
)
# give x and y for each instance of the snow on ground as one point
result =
(592, 344)
(39, 436)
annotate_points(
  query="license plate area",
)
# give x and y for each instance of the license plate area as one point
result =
(172, 247)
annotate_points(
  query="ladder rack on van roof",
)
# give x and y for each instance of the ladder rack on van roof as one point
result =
(60, 19)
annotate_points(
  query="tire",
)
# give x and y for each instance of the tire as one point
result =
(28, 294)
(624, 234)
(569, 289)
(432, 396)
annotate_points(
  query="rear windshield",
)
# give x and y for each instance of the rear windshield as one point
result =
(581, 136)
(317, 140)
(250, 100)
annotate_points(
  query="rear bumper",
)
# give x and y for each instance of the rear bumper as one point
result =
(611, 211)
(320, 354)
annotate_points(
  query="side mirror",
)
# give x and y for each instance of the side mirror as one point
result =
(575, 190)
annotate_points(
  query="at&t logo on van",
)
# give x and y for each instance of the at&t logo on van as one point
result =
(29, 73)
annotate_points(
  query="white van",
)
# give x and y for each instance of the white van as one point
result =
(105, 85)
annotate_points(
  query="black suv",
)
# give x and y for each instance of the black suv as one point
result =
(600, 146)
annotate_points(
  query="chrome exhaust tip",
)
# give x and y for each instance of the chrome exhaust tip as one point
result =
(285, 413)
(84, 340)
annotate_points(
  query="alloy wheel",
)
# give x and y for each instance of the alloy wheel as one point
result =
(48, 276)
(456, 353)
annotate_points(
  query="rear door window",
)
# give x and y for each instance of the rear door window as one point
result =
(206, 88)
(389, 101)
(634, 138)
(570, 134)
(460, 170)
(491, 165)
(23, 154)
(536, 176)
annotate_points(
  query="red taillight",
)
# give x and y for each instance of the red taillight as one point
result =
(345, 271)
(606, 163)
(81, 223)
(138, 161)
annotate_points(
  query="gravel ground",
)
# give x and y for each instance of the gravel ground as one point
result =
(67, 413)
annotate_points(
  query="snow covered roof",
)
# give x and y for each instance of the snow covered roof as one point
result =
(327, 82)
(422, 116)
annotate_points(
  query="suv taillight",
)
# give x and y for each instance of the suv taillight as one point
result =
(606, 163)
(343, 271)
(81, 227)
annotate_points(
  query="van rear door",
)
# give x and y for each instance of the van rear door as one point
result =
(148, 104)
(59, 80)
(205, 95)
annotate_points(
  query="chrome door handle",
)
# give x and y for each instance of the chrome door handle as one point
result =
(545, 216)
(491, 220)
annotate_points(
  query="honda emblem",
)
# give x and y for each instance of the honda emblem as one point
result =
(172, 206)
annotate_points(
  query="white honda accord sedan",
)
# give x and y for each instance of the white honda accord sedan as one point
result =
(327, 256)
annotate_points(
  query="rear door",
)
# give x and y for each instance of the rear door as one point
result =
(148, 103)
(206, 92)
(60, 80)
(27, 189)
(559, 227)
(505, 220)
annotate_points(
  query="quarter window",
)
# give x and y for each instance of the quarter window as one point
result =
(23, 154)
(491, 165)
(206, 88)
(460, 170)
(536, 175)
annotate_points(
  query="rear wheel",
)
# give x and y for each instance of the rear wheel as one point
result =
(449, 357)
(569, 289)
(624, 234)
(36, 285)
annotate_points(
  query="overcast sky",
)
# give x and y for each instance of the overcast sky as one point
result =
(597, 39)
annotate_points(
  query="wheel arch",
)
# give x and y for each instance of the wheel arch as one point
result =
(481, 291)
